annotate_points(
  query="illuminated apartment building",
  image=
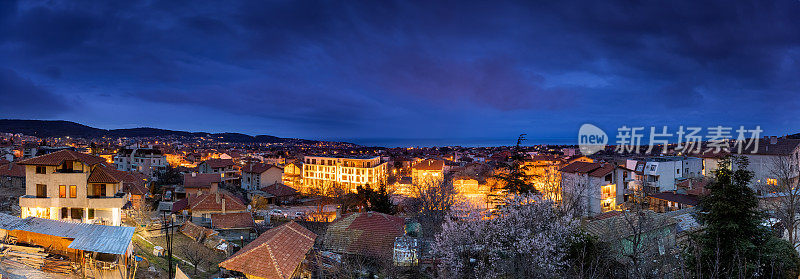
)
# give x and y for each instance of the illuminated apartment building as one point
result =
(72, 186)
(321, 173)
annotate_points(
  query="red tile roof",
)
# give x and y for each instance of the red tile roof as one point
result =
(279, 190)
(196, 232)
(368, 234)
(58, 157)
(208, 202)
(200, 180)
(218, 163)
(135, 189)
(237, 220)
(430, 165)
(257, 167)
(12, 169)
(591, 169)
(275, 254)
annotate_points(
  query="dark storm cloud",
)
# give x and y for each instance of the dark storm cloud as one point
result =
(318, 67)
(22, 98)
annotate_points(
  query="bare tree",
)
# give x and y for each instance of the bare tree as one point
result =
(785, 201)
(434, 199)
(194, 253)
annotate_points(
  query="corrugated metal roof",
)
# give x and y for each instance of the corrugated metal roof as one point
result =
(86, 237)
(9, 222)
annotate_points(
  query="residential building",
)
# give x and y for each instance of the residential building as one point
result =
(145, 160)
(224, 167)
(427, 171)
(293, 175)
(257, 175)
(12, 175)
(277, 253)
(196, 184)
(233, 226)
(280, 193)
(369, 234)
(68, 185)
(653, 233)
(671, 201)
(321, 174)
(201, 207)
(662, 174)
(773, 157)
(594, 188)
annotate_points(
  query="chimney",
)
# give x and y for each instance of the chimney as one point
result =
(223, 205)
(194, 174)
(773, 140)
(216, 196)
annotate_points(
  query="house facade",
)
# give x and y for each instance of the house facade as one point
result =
(145, 160)
(72, 186)
(258, 175)
(594, 188)
(226, 168)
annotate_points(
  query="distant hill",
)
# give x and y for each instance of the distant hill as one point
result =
(61, 128)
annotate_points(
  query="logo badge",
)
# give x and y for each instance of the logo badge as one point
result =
(591, 139)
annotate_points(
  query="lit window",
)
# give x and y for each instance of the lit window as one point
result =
(62, 191)
(73, 191)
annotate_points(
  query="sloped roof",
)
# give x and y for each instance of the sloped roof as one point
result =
(86, 237)
(430, 165)
(781, 147)
(196, 232)
(621, 225)
(368, 234)
(12, 169)
(279, 190)
(208, 202)
(679, 198)
(235, 220)
(591, 169)
(104, 174)
(257, 167)
(135, 189)
(275, 254)
(200, 180)
(58, 157)
(218, 163)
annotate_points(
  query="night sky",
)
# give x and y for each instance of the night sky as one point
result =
(377, 70)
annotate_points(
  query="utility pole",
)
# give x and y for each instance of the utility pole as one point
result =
(168, 227)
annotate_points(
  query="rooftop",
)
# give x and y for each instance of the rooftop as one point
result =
(274, 254)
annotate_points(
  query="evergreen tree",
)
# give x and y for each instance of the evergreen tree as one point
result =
(516, 180)
(734, 242)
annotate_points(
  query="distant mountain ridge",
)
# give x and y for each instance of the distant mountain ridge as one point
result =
(62, 128)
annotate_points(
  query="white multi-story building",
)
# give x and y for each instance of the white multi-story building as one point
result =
(321, 173)
(145, 160)
(594, 188)
(661, 174)
(72, 186)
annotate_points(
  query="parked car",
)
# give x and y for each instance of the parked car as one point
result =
(299, 215)
(277, 213)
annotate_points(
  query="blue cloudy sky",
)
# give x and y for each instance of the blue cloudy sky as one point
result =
(458, 70)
